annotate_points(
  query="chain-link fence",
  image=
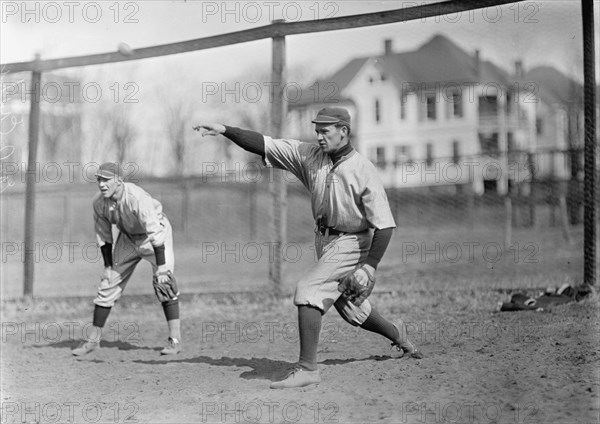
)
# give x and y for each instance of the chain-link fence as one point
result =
(506, 191)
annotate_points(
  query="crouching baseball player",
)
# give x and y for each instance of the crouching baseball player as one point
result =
(144, 233)
(354, 225)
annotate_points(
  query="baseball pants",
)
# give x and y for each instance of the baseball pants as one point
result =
(337, 255)
(127, 253)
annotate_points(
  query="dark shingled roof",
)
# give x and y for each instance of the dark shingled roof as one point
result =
(439, 60)
(554, 86)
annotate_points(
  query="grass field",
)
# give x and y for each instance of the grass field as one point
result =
(480, 365)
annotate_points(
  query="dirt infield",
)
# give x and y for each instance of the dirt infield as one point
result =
(481, 366)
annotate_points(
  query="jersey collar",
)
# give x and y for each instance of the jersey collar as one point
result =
(341, 153)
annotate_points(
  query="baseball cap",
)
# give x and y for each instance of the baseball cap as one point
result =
(332, 115)
(108, 170)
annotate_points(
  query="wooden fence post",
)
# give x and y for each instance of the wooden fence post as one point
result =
(34, 130)
(277, 187)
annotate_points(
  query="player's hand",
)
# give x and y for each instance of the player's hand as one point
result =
(162, 274)
(362, 277)
(107, 276)
(357, 285)
(210, 129)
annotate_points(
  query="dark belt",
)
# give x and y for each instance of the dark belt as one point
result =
(330, 231)
(323, 229)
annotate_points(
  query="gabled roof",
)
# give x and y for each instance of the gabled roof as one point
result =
(439, 60)
(554, 86)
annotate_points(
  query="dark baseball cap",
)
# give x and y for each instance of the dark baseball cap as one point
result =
(332, 115)
(109, 170)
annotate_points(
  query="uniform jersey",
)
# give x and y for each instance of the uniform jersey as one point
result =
(348, 195)
(136, 214)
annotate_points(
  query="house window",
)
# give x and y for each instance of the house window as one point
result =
(383, 76)
(509, 104)
(489, 143)
(539, 126)
(377, 156)
(403, 106)
(510, 142)
(430, 104)
(429, 153)
(377, 111)
(488, 106)
(455, 151)
(456, 103)
(380, 157)
(402, 154)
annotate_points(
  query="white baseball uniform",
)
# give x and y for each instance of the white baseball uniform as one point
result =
(351, 198)
(142, 225)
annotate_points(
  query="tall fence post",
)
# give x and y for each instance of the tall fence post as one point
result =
(277, 187)
(589, 107)
(503, 180)
(34, 130)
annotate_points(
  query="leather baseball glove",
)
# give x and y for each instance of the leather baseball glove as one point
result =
(355, 287)
(165, 291)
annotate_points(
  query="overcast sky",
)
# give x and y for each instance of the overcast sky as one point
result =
(537, 32)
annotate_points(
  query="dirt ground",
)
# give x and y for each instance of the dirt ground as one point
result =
(480, 365)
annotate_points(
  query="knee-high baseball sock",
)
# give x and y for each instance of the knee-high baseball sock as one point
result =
(378, 324)
(309, 325)
(171, 310)
(100, 316)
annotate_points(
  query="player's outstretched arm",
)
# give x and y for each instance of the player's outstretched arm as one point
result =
(210, 128)
(250, 141)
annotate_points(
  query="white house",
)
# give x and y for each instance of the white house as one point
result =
(436, 116)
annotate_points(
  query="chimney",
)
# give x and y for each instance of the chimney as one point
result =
(477, 63)
(387, 46)
(519, 69)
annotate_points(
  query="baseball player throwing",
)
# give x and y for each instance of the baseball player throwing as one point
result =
(144, 233)
(354, 225)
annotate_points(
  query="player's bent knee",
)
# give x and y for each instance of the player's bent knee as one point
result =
(108, 298)
(105, 303)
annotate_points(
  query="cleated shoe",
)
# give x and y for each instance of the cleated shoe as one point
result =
(298, 377)
(85, 347)
(403, 344)
(173, 347)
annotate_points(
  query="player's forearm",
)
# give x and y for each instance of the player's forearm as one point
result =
(106, 250)
(159, 254)
(250, 141)
(379, 244)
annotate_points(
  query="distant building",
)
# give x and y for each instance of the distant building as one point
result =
(441, 116)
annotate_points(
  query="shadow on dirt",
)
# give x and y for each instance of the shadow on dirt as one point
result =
(72, 344)
(262, 368)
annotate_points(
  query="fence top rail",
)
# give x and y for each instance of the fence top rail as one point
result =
(275, 29)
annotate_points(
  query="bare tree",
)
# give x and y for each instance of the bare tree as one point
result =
(177, 113)
(253, 108)
(53, 128)
(122, 131)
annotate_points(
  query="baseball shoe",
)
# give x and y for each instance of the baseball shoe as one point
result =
(173, 347)
(298, 377)
(403, 344)
(85, 347)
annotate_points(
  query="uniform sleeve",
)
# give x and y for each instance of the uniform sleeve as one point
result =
(250, 141)
(285, 154)
(377, 207)
(379, 244)
(150, 219)
(102, 225)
